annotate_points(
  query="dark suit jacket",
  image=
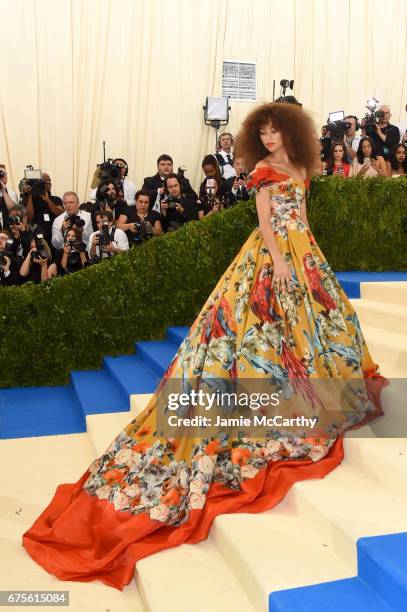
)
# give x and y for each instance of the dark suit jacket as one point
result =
(153, 183)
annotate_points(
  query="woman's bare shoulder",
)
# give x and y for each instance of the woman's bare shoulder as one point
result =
(262, 164)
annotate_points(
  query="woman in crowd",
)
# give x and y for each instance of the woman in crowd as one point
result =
(367, 163)
(338, 163)
(397, 164)
(277, 316)
(211, 170)
(210, 201)
(73, 256)
(37, 266)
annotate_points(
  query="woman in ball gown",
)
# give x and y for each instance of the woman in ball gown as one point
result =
(278, 317)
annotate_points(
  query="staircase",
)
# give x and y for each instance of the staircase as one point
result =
(327, 546)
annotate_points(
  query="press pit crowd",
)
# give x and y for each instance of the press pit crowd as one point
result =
(43, 236)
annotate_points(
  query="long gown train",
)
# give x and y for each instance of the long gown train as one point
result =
(148, 491)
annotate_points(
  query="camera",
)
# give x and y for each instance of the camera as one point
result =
(144, 231)
(336, 129)
(14, 220)
(75, 220)
(109, 172)
(172, 202)
(3, 173)
(40, 250)
(76, 246)
(104, 237)
(242, 176)
(210, 190)
(32, 182)
(8, 252)
(372, 118)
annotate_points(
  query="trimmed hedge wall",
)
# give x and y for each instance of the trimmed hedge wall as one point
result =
(71, 322)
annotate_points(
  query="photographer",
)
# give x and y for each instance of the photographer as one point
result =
(176, 208)
(74, 256)
(121, 181)
(107, 241)
(211, 170)
(7, 197)
(42, 207)
(18, 226)
(237, 183)
(384, 135)
(351, 140)
(9, 263)
(72, 217)
(138, 221)
(37, 267)
(106, 199)
(155, 184)
(210, 201)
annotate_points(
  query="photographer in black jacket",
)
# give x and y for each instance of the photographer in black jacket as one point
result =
(176, 208)
(155, 184)
(42, 207)
(10, 263)
(138, 221)
(18, 226)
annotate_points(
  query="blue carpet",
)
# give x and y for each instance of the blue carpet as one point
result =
(350, 280)
(46, 411)
(39, 411)
(380, 586)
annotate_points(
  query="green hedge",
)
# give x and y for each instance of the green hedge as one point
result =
(72, 322)
(360, 224)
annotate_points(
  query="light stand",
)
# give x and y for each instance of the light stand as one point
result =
(216, 113)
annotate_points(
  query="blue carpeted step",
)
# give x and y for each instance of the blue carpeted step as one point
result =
(131, 374)
(351, 279)
(382, 563)
(97, 392)
(39, 411)
(157, 355)
(349, 595)
(177, 334)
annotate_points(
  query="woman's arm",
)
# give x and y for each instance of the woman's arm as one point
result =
(382, 167)
(122, 224)
(157, 228)
(303, 213)
(25, 266)
(282, 272)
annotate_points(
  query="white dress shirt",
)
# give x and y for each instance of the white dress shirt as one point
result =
(129, 191)
(120, 241)
(228, 169)
(402, 127)
(57, 235)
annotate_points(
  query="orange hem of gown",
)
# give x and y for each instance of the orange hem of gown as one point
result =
(80, 537)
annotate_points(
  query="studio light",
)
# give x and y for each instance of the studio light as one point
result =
(216, 112)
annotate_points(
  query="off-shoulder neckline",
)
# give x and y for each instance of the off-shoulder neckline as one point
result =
(282, 175)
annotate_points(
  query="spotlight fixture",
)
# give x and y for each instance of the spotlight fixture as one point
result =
(216, 113)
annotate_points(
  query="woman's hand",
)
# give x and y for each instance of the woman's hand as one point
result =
(363, 170)
(282, 275)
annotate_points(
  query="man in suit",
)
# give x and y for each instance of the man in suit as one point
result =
(155, 184)
(224, 156)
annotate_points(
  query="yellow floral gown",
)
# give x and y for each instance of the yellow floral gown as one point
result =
(149, 492)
